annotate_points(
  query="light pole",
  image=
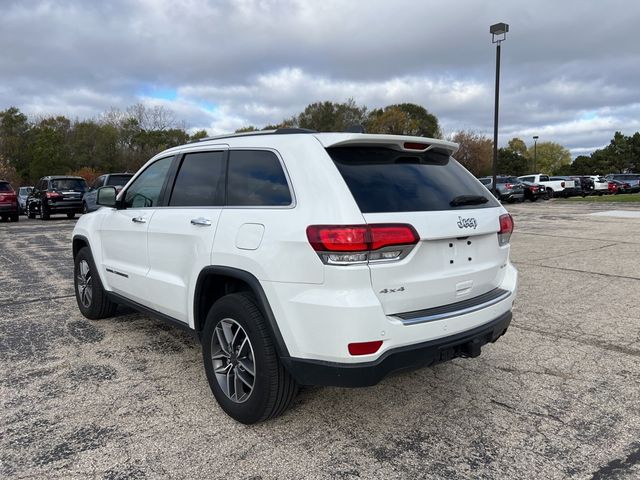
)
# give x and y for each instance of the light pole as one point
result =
(535, 152)
(498, 35)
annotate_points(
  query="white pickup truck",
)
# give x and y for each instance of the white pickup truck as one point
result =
(555, 188)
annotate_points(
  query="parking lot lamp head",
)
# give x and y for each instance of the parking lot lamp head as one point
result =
(498, 33)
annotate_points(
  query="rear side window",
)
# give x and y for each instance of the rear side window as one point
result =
(200, 180)
(118, 180)
(386, 180)
(5, 187)
(256, 178)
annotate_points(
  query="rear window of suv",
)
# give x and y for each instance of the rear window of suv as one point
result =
(5, 187)
(75, 184)
(386, 180)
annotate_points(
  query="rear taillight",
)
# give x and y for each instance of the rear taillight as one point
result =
(506, 229)
(351, 244)
(508, 186)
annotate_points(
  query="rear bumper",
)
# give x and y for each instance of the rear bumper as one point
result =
(465, 344)
(8, 209)
(570, 192)
(512, 196)
(65, 207)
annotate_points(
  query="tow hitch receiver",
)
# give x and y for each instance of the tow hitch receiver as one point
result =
(471, 349)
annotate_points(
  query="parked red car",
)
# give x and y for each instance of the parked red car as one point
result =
(619, 186)
(8, 202)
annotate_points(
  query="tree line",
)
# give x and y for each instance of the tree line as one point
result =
(123, 140)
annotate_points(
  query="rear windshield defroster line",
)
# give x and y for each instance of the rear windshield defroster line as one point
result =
(386, 180)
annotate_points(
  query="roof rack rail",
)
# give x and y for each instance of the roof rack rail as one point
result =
(277, 131)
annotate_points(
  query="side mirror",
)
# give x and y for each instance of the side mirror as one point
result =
(106, 197)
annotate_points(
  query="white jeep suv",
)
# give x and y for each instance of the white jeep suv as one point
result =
(303, 258)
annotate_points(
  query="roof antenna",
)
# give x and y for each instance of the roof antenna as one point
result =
(357, 128)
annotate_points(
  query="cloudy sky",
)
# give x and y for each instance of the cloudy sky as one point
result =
(570, 69)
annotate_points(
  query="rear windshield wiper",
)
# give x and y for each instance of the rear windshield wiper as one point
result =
(468, 200)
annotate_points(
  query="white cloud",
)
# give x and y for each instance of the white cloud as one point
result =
(569, 77)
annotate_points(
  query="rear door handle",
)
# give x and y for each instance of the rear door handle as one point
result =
(139, 220)
(203, 222)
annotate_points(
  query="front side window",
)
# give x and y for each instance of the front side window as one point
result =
(544, 178)
(145, 190)
(256, 178)
(200, 180)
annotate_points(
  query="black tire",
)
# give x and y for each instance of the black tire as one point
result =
(273, 388)
(99, 305)
(550, 193)
(15, 218)
(533, 198)
(71, 215)
(30, 214)
(5, 218)
(44, 213)
(85, 209)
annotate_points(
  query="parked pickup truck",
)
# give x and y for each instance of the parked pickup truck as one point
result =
(555, 188)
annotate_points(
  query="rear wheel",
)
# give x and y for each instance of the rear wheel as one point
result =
(15, 218)
(241, 363)
(549, 192)
(30, 214)
(91, 296)
(71, 215)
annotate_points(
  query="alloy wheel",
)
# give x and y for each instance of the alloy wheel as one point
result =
(84, 284)
(233, 360)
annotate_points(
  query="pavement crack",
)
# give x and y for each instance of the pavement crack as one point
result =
(528, 412)
(610, 275)
(584, 341)
(579, 251)
(520, 232)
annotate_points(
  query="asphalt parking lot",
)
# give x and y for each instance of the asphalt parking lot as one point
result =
(558, 396)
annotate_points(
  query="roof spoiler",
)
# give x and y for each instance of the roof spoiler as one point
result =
(397, 142)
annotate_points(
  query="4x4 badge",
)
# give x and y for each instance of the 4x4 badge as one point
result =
(467, 222)
(392, 290)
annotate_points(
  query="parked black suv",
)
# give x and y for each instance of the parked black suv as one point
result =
(56, 194)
